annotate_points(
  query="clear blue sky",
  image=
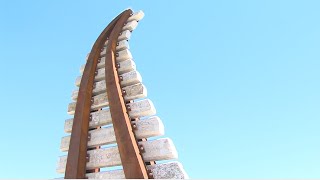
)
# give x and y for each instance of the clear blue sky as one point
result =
(236, 83)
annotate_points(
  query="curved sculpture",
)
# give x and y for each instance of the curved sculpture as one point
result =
(107, 111)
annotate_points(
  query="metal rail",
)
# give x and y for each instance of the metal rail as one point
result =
(77, 156)
(132, 162)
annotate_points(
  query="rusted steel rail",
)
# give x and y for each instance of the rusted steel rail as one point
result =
(132, 162)
(77, 156)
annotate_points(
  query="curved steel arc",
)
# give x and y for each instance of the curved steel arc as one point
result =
(76, 160)
(132, 162)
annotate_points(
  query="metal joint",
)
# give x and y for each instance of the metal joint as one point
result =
(121, 78)
(134, 125)
(150, 174)
(118, 65)
(128, 107)
(88, 157)
(89, 136)
(141, 148)
(124, 92)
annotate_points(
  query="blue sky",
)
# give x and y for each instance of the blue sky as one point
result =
(236, 83)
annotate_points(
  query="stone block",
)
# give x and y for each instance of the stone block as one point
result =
(146, 128)
(100, 75)
(135, 91)
(99, 137)
(130, 78)
(99, 118)
(171, 170)
(131, 25)
(137, 16)
(124, 35)
(98, 88)
(101, 62)
(132, 92)
(87, 56)
(122, 45)
(141, 108)
(98, 101)
(74, 94)
(126, 66)
(156, 150)
(150, 127)
(82, 68)
(98, 158)
(123, 55)
(99, 65)
(103, 51)
(160, 149)
(113, 174)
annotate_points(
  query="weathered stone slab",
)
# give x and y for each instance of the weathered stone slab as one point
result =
(99, 87)
(122, 45)
(87, 56)
(100, 75)
(160, 149)
(123, 55)
(114, 174)
(131, 25)
(99, 118)
(99, 137)
(78, 81)
(170, 170)
(135, 91)
(156, 150)
(71, 108)
(141, 108)
(103, 52)
(124, 35)
(82, 68)
(99, 101)
(137, 16)
(130, 78)
(99, 65)
(61, 164)
(150, 127)
(98, 158)
(131, 92)
(125, 66)
(74, 94)
(106, 43)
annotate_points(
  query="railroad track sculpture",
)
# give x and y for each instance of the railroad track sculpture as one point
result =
(110, 109)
